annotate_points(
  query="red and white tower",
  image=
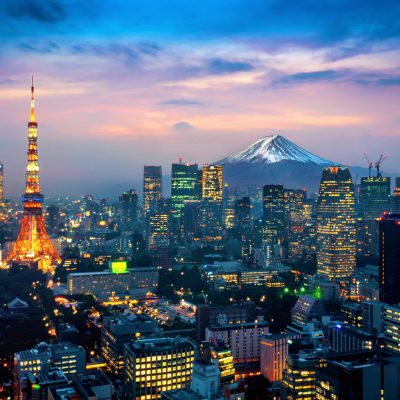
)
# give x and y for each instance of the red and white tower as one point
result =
(33, 245)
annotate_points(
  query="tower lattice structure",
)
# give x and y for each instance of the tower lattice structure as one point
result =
(33, 245)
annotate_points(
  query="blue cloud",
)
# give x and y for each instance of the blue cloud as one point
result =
(309, 23)
(308, 77)
(182, 102)
(45, 11)
(221, 66)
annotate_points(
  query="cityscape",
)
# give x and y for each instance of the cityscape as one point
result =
(180, 236)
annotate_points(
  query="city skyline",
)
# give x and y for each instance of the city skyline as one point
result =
(232, 73)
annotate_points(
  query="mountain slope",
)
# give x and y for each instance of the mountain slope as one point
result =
(272, 149)
(274, 160)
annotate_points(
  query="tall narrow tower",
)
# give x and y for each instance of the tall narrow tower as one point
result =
(33, 245)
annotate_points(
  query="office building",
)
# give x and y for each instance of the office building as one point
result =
(208, 315)
(183, 186)
(273, 356)
(94, 386)
(242, 220)
(159, 226)
(372, 316)
(352, 314)
(395, 200)
(273, 221)
(243, 338)
(36, 387)
(128, 205)
(106, 284)
(69, 358)
(222, 356)
(391, 327)
(389, 258)
(294, 222)
(153, 366)
(374, 196)
(306, 309)
(298, 380)
(152, 187)
(336, 230)
(211, 220)
(119, 330)
(212, 188)
(205, 384)
(348, 339)
(364, 375)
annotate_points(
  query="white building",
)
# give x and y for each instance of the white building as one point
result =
(242, 338)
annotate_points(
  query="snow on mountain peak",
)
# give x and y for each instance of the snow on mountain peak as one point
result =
(273, 149)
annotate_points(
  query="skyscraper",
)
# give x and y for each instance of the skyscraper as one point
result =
(375, 196)
(273, 219)
(128, 203)
(211, 215)
(33, 245)
(152, 186)
(212, 188)
(183, 186)
(336, 226)
(395, 201)
(389, 257)
(294, 222)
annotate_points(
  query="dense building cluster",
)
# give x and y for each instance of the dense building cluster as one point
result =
(201, 291)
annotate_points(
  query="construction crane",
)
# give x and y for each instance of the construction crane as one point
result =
(370, 165)
(378, 164)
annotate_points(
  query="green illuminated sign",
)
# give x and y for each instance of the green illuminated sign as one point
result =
(119, 267)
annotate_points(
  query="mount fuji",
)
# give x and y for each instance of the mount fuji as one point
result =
(274, 160)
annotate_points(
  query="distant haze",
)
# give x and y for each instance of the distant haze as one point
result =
(122, 84)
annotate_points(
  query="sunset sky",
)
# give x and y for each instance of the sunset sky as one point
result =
(120, 84)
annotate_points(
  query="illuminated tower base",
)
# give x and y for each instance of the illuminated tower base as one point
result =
(33, 245)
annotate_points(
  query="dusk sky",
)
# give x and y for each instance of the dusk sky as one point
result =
(120, 84)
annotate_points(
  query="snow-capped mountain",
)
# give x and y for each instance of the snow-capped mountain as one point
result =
(274, 160)
(273, 149)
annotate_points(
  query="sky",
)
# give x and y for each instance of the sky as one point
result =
(120, 84)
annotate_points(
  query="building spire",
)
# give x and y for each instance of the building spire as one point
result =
(32, 117)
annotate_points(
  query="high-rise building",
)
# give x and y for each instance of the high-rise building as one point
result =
(156, 365)
(274, 352)
(159, 230)
(389, 258)
(152, 186)
(294, 222)
(128, 203)
(33, 246)
(391, 327)
(298, 381)
(364, 375)
(243, 338)
(212, 188)
(336, 230)
(395, 201)
(183, 186)
(119, 330)
(374, 196)
(71, 359)
(242, 215)
(273, 220)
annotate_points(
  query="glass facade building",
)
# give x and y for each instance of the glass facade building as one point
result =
(336, 225)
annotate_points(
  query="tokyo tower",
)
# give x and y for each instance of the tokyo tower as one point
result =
(33, 245)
